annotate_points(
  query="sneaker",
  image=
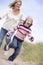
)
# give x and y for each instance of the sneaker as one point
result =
(10, 59)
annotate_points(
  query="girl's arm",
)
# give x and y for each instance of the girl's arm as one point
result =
(31, 38)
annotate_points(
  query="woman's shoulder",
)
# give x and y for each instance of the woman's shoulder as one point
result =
(9, 11)
(4, 13)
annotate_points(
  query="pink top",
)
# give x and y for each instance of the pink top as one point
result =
(22, 32)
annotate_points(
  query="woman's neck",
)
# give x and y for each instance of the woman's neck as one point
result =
(15, 11)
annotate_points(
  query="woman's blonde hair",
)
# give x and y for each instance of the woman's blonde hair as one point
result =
(14, 2)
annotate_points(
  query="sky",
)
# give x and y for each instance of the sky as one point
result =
(33, 8)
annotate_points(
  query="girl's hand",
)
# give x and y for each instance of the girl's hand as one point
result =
(31, 39)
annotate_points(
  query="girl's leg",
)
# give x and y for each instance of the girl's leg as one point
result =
(16, 52)
(2, 35)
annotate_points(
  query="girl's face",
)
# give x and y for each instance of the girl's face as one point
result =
(28, 23)
(17, 5)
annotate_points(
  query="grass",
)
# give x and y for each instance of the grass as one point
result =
(32, 52)
(2, 46)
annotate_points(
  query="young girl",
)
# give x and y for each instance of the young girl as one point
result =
(21, 33)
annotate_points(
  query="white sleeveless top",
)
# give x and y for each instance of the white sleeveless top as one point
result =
(11, 20)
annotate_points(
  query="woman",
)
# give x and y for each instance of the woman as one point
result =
(12, 18)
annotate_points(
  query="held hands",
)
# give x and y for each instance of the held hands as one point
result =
(9, 32)
(31, 39)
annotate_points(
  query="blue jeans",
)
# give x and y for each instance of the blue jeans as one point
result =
(8, 39)
(2, 35)
(16, 44)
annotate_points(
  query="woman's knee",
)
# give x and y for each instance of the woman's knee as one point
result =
(6, 47)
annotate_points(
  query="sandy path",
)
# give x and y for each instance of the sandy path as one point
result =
(17, 61)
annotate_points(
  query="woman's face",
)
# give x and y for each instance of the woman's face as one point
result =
(17, 5)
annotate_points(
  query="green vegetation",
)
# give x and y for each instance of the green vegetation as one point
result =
(4, 42)
(32, 52)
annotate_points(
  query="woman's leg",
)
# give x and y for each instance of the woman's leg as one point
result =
(2, 35)
(8, 39)
(16, 52)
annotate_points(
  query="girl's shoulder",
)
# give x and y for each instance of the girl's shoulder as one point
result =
(25, 27)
